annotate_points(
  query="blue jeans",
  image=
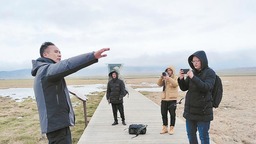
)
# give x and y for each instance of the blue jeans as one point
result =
(203, 129)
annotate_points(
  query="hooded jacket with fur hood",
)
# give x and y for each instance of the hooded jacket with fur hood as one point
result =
(170, 86)
(198, 102)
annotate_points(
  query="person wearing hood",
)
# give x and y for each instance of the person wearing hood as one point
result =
(198, 110)
(56, 114)
(168, 81)
(115, 94)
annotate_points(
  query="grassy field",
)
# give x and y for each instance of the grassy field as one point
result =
(19, 121)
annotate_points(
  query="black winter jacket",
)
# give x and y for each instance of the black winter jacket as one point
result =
(115, 90)
(198, 103)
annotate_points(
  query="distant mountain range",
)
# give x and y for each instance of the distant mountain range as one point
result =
(126, 71)
(238, 71)
(16, 74)
(87, 72)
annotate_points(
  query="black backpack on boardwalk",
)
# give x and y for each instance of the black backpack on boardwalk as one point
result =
(217, 92)
(137, 129)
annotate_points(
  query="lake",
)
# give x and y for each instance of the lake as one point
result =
(19, 94)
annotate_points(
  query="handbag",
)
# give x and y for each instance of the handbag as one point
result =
(137, 129)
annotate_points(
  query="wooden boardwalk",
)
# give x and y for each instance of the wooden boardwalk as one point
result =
(138, 110)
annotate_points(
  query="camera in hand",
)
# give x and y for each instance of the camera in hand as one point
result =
(164, 74)
(185, 70)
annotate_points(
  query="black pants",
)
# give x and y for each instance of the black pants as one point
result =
(61, 136)
(171, 107)
(120, 108)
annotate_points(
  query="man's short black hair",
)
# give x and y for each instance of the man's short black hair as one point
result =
(44, 46)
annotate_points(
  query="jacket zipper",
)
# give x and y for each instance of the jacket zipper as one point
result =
(57, 96)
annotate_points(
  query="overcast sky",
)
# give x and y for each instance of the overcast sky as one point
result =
(139, 32)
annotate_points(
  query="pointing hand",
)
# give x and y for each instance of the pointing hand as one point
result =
(99, 54)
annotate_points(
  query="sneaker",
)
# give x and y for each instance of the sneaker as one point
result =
(115, 123)
(123, 122)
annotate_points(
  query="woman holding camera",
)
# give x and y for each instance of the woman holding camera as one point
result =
(168, 81)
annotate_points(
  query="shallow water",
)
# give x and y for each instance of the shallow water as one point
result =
(21, 93)
(153, 89)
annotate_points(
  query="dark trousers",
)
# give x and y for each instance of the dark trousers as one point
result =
(171, 107)
(61, 136)
(120, 108)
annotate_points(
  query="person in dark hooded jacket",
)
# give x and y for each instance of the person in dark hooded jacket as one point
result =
(115, 94)
(52, 96)
(198, 110)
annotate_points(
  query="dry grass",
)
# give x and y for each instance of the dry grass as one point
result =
(28, 83)
(20, 83)
(19, 121)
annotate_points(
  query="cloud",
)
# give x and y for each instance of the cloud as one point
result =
(132, 29)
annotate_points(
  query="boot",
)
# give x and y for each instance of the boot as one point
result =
(164, 130)
(171, 131)
(115, 123)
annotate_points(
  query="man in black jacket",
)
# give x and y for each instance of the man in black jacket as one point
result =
(52, 96)
(115, 94)
(198, 110)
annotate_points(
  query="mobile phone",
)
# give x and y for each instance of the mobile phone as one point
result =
(185, 70)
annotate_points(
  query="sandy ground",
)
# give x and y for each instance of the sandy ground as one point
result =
(234, 120)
